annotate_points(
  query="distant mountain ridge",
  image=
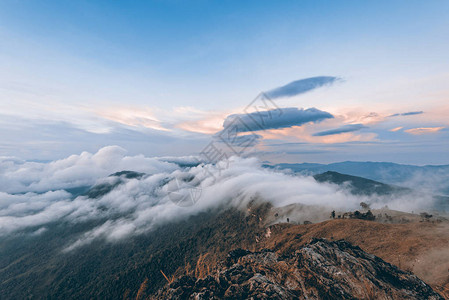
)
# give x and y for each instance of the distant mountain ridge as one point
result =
(360, 185)
(433, 178)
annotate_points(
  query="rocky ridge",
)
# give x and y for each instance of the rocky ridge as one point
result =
(321, 269)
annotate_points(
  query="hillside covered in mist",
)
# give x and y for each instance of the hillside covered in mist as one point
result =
(111, 225)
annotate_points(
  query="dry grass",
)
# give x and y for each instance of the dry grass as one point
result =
(169, 280)
(410, 246)
(419, 247)
(141, 294)
(202, 266)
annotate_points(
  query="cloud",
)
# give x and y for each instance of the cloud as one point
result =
(343, 129)
(354, 117)
(423, 130)
(74, 171)
(139, 204)
(274, 119)
(208, 123)
(247, 140)
(134, 117)
(47, 140)
(301, 86)
(396, 129)
(411, 113)
(183, 161)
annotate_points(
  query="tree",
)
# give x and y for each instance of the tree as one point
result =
(425, 216)
(364, 206)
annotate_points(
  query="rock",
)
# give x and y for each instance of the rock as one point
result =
(234, 255)
(320, 270)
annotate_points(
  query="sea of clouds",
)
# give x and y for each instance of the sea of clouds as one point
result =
(34, 194)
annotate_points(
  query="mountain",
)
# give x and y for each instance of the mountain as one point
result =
(103, 188)
(360, 185)
(429, 178)
(34, 267)
(367, 187)
(321, 269)
(35, 263)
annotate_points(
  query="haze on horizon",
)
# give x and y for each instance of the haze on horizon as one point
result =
(163, 78)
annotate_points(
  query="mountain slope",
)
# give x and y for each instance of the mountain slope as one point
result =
(319, 270)
(359, 185)
(431, 178)
(36, 266)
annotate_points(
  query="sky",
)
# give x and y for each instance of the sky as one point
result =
(346, 80)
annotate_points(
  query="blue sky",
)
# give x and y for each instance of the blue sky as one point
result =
(160, 77)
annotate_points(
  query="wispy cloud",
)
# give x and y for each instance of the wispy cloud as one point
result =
(142, 117)
(301, 86)
(246, 140)
(411, 113)
(207, 123)
(396, 129)
(423, 130)
(343, 129)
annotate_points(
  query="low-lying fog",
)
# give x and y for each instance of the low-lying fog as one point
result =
(34, 194)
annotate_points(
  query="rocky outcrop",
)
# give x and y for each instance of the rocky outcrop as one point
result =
(321, 269)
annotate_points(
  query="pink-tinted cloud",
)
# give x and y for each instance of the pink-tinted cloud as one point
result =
(304, 134)
(210, 124)
(423, 130)
(136, 117)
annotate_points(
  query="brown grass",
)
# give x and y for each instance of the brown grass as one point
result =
(411, 246)
(202, 266)
(141, 294)
(169, 280)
